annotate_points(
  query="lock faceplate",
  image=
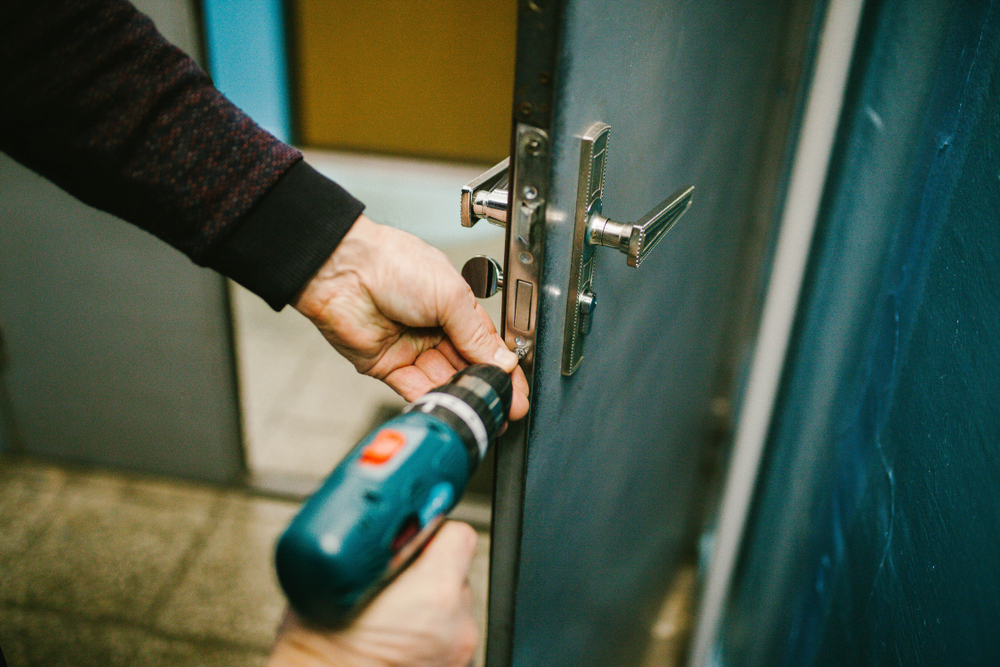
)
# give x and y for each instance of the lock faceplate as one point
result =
(580, 300)
(520, 207)
(592, 230)
(525, 241)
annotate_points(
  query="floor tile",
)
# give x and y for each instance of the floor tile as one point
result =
(28, 493)
(309, 449)
(112, 548)
(230, 591)
(102, 585)
(48, 639)
(163, 652)
(269, 350)
(479, 575)
(332, 389)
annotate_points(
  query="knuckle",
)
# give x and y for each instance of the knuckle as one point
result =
(467, 533)
(467, 642)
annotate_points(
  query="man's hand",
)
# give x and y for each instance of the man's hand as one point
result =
(399, 311)
(423, 619)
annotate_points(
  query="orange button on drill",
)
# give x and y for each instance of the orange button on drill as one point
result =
(383, 447)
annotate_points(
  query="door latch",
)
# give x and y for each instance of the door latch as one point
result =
(592, 230)
(517, 204)
(487, 198)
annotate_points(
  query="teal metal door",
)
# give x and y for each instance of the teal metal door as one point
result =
(597, 492)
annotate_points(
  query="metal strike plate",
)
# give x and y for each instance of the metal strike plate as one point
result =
(592, 230)
(525, 238)
(487, 198)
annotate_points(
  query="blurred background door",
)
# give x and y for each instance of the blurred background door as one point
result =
(118, 349)
(872, 537)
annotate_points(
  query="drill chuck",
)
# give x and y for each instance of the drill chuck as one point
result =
(384, 501)
(474, 404)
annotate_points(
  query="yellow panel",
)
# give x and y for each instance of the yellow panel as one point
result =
(431, 78)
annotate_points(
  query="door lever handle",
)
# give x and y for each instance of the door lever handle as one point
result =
(635, 240)
(485, 197)
(591, 230)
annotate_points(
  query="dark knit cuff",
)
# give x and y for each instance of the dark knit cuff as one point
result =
(287, 235)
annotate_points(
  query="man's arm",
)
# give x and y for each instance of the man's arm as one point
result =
(96, 100)
(93, 98)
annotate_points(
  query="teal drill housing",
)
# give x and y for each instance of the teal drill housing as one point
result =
(386, 499)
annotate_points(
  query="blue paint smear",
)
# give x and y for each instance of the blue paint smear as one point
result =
(875, 529)
(247, 59)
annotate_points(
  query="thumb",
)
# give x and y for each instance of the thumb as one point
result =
(472, 333)
(448, 556)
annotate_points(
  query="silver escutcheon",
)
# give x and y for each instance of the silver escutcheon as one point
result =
(592, 230)
(520, 206)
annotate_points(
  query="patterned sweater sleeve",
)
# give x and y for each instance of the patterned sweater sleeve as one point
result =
(93, 98)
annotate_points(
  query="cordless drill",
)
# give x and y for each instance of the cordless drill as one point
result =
(385, 500)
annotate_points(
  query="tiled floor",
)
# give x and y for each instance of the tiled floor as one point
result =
(104, 569)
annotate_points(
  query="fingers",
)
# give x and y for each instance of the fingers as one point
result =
(436, 366)
(448, 556)
(453, 356)
(432, 368)
(519, 404)
(471, 331)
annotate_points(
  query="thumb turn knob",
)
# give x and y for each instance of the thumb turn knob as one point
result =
(484, 276)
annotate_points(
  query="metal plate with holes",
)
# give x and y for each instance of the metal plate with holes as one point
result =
(589, 200)
(524, 239)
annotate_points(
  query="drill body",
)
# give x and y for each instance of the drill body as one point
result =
(386, 499)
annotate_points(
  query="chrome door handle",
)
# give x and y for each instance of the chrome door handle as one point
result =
(635, 240)
(592, 230)
(485, 197)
